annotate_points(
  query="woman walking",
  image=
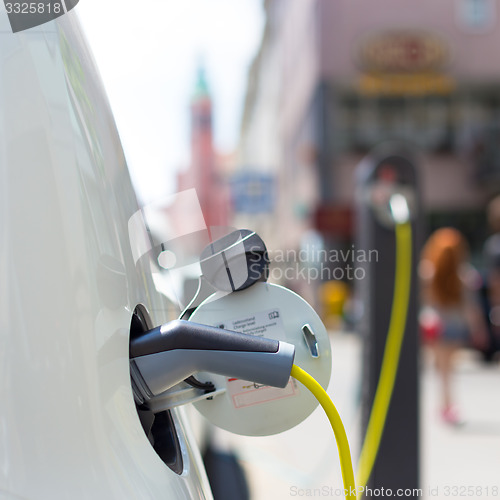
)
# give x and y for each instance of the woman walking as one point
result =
(448, 288)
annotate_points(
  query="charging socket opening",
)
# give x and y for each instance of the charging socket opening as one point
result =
(158, 427)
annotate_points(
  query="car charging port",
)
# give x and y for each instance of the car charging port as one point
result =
(158, 427)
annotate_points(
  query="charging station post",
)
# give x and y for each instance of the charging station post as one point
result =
(382, 174)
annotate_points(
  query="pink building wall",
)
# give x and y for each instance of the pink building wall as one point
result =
(474, 56)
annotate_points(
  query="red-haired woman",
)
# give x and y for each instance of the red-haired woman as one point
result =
(448, 293)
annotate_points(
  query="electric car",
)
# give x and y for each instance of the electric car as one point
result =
(71, 294)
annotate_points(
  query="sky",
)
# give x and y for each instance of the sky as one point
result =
(147, 53)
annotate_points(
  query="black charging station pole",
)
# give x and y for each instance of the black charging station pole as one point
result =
(384, 171)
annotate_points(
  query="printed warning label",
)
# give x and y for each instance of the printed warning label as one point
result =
(244, 393)
(261, 324)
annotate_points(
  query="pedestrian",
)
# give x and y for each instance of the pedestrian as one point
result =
(491, 280)
(449, 296)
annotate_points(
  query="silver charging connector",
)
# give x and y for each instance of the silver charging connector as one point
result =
(166, 355)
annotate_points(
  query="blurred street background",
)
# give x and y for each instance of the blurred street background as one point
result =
(266, 109)
(299, 462)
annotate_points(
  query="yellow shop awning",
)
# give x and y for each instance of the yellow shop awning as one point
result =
(405, 84)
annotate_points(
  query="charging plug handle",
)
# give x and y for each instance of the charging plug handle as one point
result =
(172, 352)
(181, 334)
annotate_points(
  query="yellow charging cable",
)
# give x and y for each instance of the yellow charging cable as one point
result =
(391, 356)
(337, 426)
(386, 381)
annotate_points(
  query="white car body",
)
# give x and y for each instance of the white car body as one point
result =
(69, 285)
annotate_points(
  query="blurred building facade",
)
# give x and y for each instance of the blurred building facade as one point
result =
(206, 172)
(333, 79)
